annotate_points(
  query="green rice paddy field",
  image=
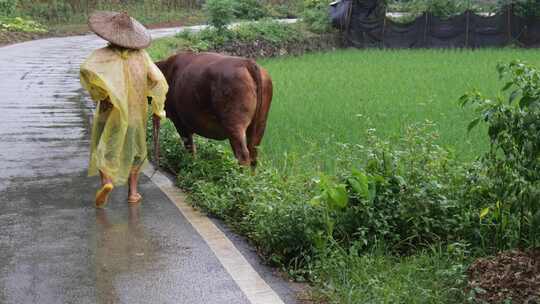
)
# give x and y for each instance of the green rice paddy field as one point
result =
(324, 100)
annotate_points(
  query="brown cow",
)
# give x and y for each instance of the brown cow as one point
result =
(218, 97)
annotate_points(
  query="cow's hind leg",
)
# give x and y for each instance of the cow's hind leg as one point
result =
(187, 138)
(189, 144)
(252, 144)
(240, 149)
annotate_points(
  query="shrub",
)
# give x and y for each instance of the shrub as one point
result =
(269, 31)
(8, 7)
(19, 24)
(440, 8)
(446, 8)
(220, 13)
(404, 196)
(315, 15)
(527, 8)
(286, 9)
(506, 181)
(249, 9)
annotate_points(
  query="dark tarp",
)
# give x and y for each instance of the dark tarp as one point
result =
(339, 12)
(364, 24)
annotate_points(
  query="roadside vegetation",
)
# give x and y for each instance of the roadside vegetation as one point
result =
(24, 20)
(371, 184)
(379, 181)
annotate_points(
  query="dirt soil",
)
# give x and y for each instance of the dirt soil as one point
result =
(264, 49)
(512, 275)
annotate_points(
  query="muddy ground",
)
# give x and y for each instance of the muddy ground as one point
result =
(509, 276)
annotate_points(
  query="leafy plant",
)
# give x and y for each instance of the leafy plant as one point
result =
(220, 13)
(268, 31)
(249, 9)
(404, 196)
(19, 24)
(333, 198)
(315, 15)
(508, 178)
(8, 7)
(440, 8)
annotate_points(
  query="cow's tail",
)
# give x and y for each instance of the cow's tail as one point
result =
(255, 72)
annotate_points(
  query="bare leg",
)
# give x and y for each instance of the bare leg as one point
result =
(104, 179)
(102, 194)
(133, 195)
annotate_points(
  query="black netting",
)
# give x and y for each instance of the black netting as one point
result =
(489, 31)
(410, 35)
(364, 24)
(530, 34)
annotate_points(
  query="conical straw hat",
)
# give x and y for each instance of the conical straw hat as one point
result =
(120, 29)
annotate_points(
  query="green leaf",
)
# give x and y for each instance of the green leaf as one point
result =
(484, 212)
(526, 101)
(463, 100)
(316, 201)
(513, 96)
(372, 192)
(355, 186)
(507, 86)
(359, 183)
(473, 124)
(338, 197)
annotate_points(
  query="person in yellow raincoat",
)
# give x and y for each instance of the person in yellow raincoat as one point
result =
(120, 78)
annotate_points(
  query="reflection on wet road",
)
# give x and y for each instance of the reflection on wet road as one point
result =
(54, 246)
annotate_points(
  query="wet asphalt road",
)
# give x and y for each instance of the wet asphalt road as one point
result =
(55, 247)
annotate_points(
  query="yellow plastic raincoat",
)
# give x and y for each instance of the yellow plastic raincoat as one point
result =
(126, 78)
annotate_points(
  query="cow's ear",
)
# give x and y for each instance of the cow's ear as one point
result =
(149, 98)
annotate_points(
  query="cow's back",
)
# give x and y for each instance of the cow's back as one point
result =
(205, 87)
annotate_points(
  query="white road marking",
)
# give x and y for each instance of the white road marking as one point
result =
(247, 279)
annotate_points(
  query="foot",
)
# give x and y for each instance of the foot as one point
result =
(134, 198)
(102, 195)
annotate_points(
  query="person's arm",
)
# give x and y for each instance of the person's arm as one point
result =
(89, 83)
(157, 89)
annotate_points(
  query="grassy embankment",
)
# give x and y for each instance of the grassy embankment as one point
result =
(323, 105)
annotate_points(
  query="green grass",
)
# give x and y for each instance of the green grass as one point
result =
(427, 277)
(322, 100)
